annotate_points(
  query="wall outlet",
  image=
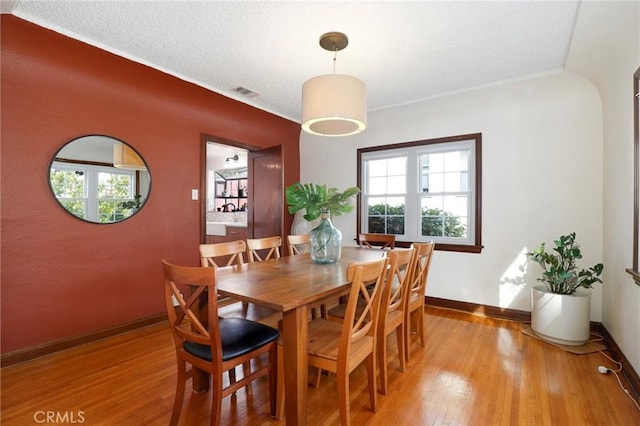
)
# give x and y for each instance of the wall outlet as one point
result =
(194, 194)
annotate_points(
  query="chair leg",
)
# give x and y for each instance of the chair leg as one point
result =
(232, 377)
(371, 378)
(382, 360)
(400, 335)
(316, 383)
(246, 371)
(216, 398)
(177, 402)
(420, 324)
(323, 311)
(342, 378)
(407, 335)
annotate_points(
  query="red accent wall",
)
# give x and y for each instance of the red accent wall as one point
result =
(62, 277)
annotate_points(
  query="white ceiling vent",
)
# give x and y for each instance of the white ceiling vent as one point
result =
(245, 92)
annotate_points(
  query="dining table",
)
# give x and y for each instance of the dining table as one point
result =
(292, 285)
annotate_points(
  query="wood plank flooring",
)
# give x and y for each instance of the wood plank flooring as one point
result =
(473, 371)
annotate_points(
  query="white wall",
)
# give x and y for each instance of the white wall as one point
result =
(542, 177)
(606, 49)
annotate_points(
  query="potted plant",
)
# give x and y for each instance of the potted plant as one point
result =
(324, 203)
(559, 312)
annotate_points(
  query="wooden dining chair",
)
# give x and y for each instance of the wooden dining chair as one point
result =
(272, 244)
(392, 309)
(340, 348)
(298, 244)
(417, 291)
(220, 255)
(383, 241)
(211, 344)
(231, 254)
(223, 254)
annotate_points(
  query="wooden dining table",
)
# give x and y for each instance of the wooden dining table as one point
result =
(291, 285)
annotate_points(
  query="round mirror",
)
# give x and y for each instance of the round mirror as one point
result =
(99, 179)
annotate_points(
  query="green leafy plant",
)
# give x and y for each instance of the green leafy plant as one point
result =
(561, 275)
(133, 204)
(317, 199)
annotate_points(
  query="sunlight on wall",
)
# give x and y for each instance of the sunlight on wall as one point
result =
(512, 280)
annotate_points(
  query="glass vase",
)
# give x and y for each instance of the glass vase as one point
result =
(325, 241)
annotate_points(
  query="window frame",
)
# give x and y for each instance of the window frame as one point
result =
(475, 245)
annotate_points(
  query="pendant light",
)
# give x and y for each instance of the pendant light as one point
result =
(126, 158)
(334, 104)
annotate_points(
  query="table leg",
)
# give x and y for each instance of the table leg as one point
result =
(295, 331)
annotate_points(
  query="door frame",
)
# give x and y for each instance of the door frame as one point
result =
(206, 138)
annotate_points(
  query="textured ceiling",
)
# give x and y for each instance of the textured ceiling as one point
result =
(403, 51)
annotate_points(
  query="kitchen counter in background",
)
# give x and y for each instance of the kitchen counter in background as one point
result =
(220, 228)
(223, 226)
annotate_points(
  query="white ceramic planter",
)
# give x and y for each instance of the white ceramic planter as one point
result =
(560, 318)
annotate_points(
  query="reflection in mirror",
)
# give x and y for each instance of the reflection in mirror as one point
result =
(99, 179)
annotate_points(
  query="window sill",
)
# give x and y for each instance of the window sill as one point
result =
(635, 275)
(447, 247)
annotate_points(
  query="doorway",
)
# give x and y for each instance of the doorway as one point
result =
(242, 191)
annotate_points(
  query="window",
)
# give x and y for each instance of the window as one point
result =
(96, 193)
(423, 191)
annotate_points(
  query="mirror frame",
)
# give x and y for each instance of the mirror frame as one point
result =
(115, 140)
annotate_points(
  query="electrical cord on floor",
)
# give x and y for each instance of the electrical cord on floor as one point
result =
(605, 370)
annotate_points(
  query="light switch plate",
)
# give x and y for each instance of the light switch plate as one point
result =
(194, 194)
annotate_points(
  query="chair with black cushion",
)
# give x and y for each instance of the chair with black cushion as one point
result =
(383, 241)
(414, 314)
(214, 345)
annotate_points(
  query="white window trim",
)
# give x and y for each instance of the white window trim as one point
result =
(412, 151)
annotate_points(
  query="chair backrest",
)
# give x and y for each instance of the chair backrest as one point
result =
(367, 280)
(184, 318)
(422, 262)
(377, 240)
(398, 279)
(298, 244)
(233, 249)
(272, 244)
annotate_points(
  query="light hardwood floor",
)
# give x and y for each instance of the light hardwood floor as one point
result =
(473, 371)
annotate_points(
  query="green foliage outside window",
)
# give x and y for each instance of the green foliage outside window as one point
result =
(439, 223)
(115, 201)
(386, 219)
(68, 187)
